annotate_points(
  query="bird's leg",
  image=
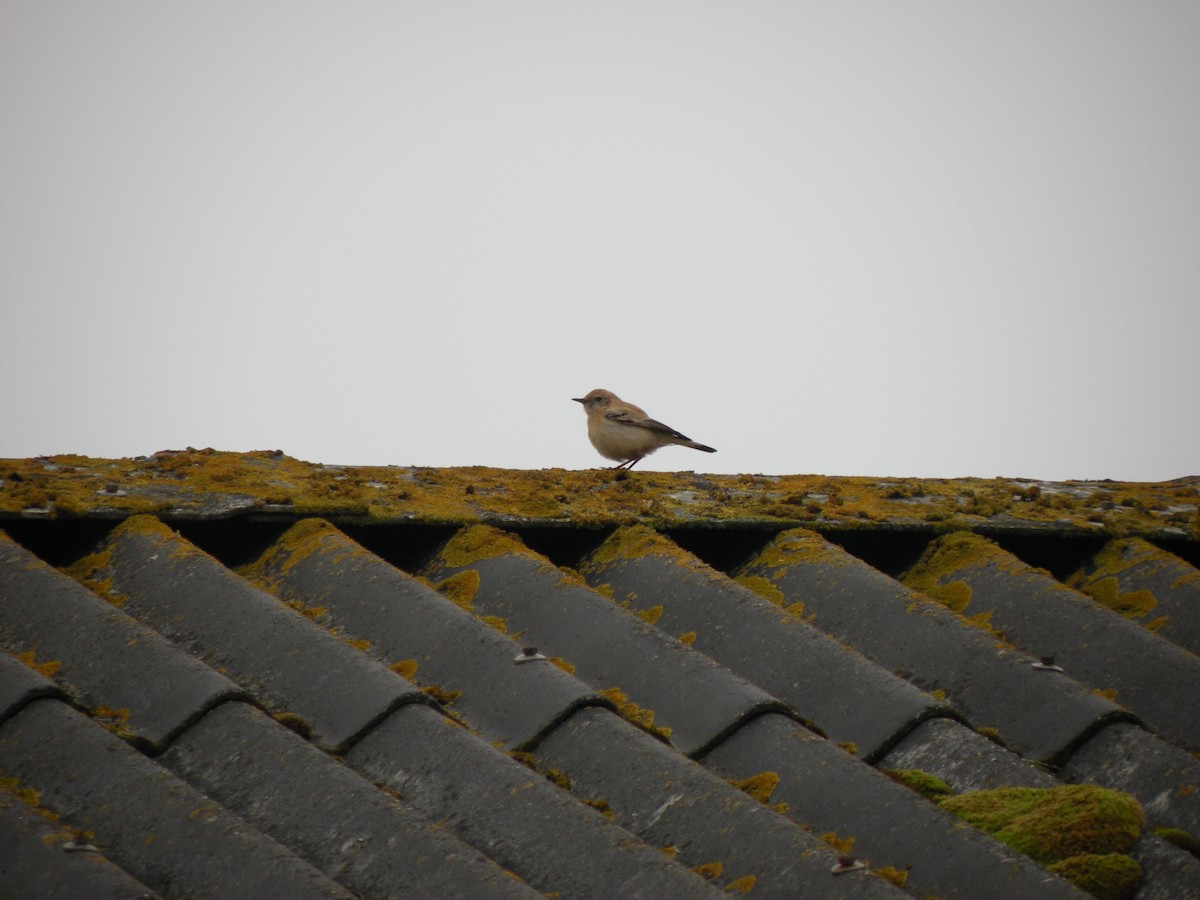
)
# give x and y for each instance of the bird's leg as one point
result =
(630, 463)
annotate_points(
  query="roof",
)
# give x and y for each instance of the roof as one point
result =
(344, 681)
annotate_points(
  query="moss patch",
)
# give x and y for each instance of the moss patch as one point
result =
(211, 482)
(1050, 824)
(934, 574)
(460, 588)
(764, 587)
(637, 714)
(928, 786)
(46, 668)
(1076, 830)
(760, 786)
(1109, 876)
(1181, 839)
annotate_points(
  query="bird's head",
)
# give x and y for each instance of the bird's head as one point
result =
(597, 399)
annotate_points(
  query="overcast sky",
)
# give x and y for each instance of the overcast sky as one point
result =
(896, 239)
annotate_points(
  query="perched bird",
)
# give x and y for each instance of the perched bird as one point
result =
(622, 431)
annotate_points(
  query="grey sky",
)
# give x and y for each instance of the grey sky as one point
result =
(909, 239)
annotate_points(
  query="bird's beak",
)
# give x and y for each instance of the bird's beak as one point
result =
(577, 399)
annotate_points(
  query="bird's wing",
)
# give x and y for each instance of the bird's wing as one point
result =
(625, 417)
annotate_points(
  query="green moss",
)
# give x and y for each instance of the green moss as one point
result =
(764, 587)
(1053, 824)
(928, 786)
(1180, 838)
(1108, 876)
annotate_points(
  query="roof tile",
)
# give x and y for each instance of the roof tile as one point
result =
(846, 696)
(20, 684)
(670, 801)
(101, 654)
(33, 856)
(283, 658)
(609, 648)
(1147, 584)
(733, 676)
(1154, 678)
(991, 684)
(370, 842)
(315, 565)
(1165, 779)
(162, 831)
(830, 791)
(523, 821)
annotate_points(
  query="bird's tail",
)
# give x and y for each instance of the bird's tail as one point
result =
(698, 446)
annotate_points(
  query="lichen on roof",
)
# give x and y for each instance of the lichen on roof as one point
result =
(189, 484)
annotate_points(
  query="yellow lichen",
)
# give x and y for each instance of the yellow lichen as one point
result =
(760, 786)
(709, 871)
(764, 587)
(743, 885)
(460, 588)
(638, 715)
(47, 668)
(843, 845)
(497, 622)
(898, 877)
(479, 542)
(405, 668)
(651, 615)
(170, 481)
(688, 638)
(441, 694)
(601, 806)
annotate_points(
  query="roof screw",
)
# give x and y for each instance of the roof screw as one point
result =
(529, 654)
(1046, 664)
(848, 864)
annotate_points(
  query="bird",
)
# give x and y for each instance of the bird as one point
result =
(623, 432)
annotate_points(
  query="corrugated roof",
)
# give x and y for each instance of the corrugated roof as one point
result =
(387, 682)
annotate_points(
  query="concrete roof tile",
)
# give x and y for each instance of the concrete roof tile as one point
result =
(990, 683)
(845, 695)
(890, 664)
(282, 657)
(21, 684)
(1164, 778)
(1154, 678)
(370, 842)
(670, 801)
(32, 855)
(160, 830)
(101, 654)
(964, 759)
(830, 791)
(523, 821)
(316, 566)
(608, 647)
(1148, 585)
